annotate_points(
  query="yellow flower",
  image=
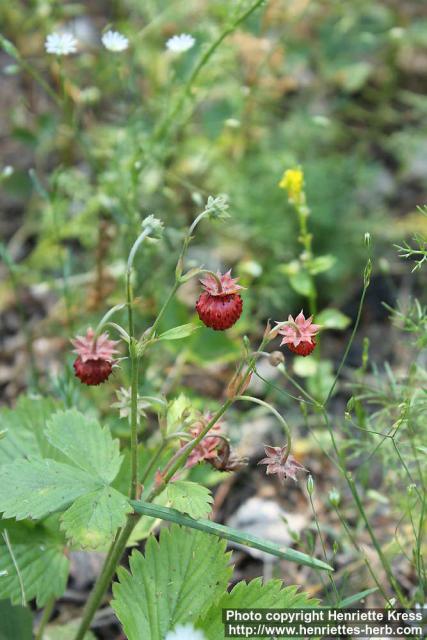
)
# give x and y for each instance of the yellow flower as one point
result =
(293, 182)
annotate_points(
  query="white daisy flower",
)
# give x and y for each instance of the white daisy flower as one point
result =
(185, 632)
(61, 44)
(115, 41)
(180, 43)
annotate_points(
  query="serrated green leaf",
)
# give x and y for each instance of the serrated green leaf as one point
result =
(189, 497)
(15, 622)
(176, 581)
(249, 595)
(65, 631)
(34, 488)
(302, 283)
(24, 426)
(40, 561)
(85, 443)
(177, 333)
(332, 319)
(93, 519)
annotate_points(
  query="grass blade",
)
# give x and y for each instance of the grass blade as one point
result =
(172, 515)
(356, 597)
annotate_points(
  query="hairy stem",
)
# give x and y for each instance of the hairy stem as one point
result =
(105, 577)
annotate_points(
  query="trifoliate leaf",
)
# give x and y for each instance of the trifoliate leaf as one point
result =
(85, 443)
(24, 427)
(177, 581)
(34, 488)
(32, 564)
(190, 498)
(92, 521)
(253, 594)
(16, 622)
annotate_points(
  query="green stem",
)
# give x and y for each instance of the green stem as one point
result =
(12, 51)
(181, 459)
(134, 420)
(153, 461)
(353, 489)
(134, 389)
(385, 563)
(47, 612)
(134, 360)
(105, 577)
(319, 533)
(280, 418)
(349, 344)
(310, 399)
(358, 549)
(119, 545)
(105, 319)
(164, 307)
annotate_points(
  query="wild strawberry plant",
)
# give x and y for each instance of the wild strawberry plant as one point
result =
(67, 483)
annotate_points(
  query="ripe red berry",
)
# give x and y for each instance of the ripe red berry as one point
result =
(219, 306)
(92, 372)
(304, 348)
(299, 334)
(94, 362)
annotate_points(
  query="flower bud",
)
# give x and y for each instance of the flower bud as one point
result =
(351, 404)
(310, 485)
(334, 497)
(217, 208)
(237, 386)
(275, 358)
(367, 273)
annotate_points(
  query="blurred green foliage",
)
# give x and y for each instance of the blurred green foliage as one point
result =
(335, 87)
